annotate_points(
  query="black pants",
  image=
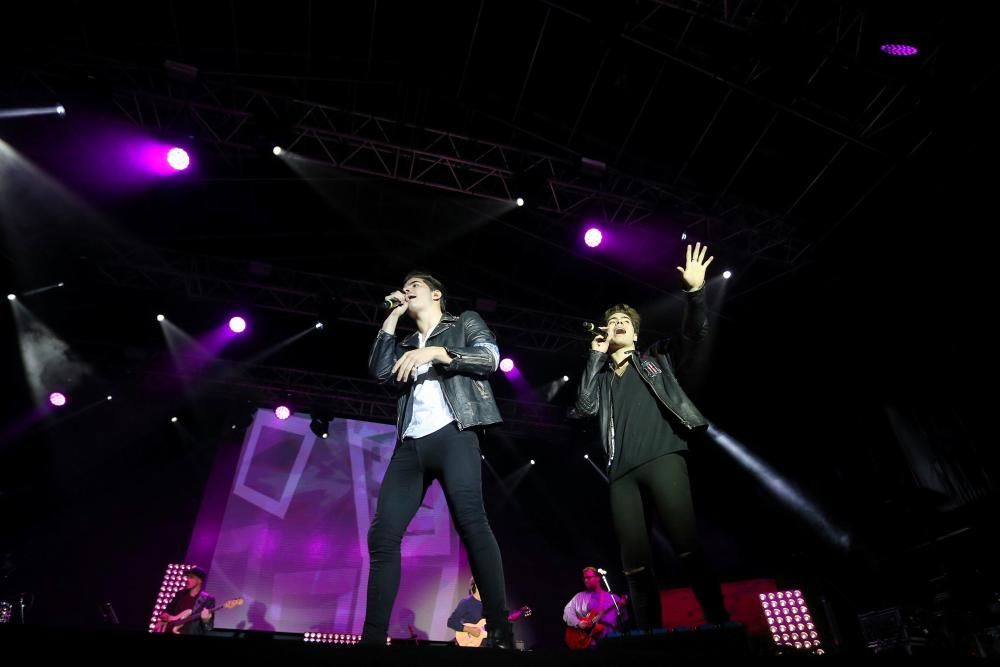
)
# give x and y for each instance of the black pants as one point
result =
(665, 485)
(452, 457)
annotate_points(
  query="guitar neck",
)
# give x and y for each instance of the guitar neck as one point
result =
(611, 606)
(193, 617)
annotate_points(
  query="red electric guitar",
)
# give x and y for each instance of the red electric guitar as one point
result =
(577, 638)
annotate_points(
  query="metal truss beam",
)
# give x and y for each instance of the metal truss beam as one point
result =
(351, 397)
(237, 119)
(302, 293)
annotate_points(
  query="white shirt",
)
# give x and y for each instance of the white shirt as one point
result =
(430, 407)
(586, 601)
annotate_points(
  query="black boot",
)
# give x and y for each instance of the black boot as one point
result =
(500, 635)
(371, 640)
(706, 587)
(645, 598)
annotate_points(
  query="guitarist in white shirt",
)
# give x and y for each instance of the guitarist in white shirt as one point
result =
(595, 599)
(193, 597)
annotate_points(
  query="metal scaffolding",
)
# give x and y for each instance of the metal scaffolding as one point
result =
(355, 398)
(302, 293)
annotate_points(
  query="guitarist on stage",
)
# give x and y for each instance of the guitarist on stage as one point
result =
(467, 620)
(468, 612)
(193, 597)
(591, 614)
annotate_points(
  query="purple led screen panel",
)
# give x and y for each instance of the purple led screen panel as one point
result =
(289, 533)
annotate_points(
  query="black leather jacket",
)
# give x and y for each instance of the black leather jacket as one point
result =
(464, 381)
(657, 366)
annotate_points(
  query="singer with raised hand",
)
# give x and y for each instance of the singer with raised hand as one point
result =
(646, 422)
(441, 373)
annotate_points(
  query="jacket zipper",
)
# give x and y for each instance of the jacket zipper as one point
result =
(448, 401)
(444, 392)
(611, 438)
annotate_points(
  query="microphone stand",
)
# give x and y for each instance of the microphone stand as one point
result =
(604, 578)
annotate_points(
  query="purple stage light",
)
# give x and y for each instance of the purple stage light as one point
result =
(57, 399)
(237, 324)
(593, 237)
(507, 365)
(178, 158)
(282, 412)
(899, 50)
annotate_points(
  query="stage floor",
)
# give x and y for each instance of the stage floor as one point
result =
(695, 647)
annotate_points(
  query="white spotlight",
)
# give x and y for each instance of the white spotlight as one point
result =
(565, 378)
(519, 201)
(318, 325)
(277, 150)
(61, 110)
(173, 420)
(586, 456)
(11, 297)
(61, 285)
(109, 397)
(160, 318)
(684, 236)
(727, 274)
(532, 461)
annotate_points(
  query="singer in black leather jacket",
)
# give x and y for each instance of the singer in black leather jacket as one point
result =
(646, 421)
(441, 374)
(471, 346)
(656, 366)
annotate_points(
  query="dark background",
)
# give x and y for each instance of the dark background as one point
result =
(855, 364)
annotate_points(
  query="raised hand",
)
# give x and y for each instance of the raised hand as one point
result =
(693, 271)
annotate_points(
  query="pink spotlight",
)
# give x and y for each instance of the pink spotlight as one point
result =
(282, 412)
(57, 399)
(507, 365)
(178, 158)
(237, 324)
(593, 237)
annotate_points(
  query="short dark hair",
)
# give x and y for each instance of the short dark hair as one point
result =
(590, 568)
(196, 572)
(431, 281)
(632, 313)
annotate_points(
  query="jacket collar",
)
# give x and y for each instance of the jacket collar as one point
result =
(447, 320)
(633, 356)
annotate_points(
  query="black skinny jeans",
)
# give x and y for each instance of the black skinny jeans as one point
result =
(453, 458)
(664, 482)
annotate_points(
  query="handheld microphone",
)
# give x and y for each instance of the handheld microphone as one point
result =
(391, 302)
(590, 327)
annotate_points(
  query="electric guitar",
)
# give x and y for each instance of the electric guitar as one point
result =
(463, 638)
(176, 623)
(577, 638)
